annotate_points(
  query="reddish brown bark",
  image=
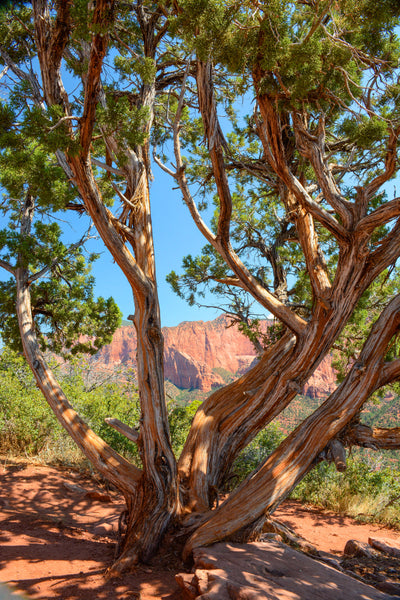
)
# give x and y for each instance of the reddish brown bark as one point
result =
(266, 488)
(161, 494)
(155, 500)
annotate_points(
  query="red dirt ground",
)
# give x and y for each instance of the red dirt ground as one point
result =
(57, 537)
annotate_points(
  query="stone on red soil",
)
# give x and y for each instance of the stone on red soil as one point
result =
(355, 548)
(390, 547)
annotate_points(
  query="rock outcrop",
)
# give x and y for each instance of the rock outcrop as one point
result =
(267, 571)
(214, 350)
(323, 381)
(204, 355)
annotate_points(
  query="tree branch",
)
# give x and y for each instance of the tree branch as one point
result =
(315, 261)
(278, 164)
(5, 265)
(377, 438)
(221, 241)
(390, 165)
(130, 433)
(380, 216)
(386, 254)
(390, 372)
(57, 260)
(28, 77)
(115, 468)
(51, 43)
(102, 17)
(286, 466)
(313, 148)
(106, 167)
(112, 231)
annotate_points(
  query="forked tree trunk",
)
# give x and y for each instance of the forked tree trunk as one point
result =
(156, 500)
(230, 418)
(130, 242)
(265, 489)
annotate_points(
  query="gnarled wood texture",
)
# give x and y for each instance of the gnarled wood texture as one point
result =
(163, 493)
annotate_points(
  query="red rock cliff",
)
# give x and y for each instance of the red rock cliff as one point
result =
(205, 354)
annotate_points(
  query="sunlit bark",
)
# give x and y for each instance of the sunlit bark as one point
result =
(162, 493)
(156, 496)
(265, 489)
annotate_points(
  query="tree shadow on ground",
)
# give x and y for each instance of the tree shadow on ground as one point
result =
(57, 542)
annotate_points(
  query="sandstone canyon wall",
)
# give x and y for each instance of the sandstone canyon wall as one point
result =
(205, 355)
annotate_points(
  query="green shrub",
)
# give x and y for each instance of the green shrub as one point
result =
(362, 491)
(95, 400)
(263, 444)
(28, 426)
(25, 419)
(180, 418)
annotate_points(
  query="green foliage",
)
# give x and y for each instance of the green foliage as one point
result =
(16, 34)
(96, 396)
(124, 120)
(293, 42)
(25, 419)
(25, 162)
(144, 67)
(28, 426)
(364, 131)
(226, 375)
(180, 418)
(365, 490)
(250, 458)
(382, 412)
(68, 319)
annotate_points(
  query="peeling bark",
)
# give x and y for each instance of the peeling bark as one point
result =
(155, 501)
(263, 491)
(163, 493)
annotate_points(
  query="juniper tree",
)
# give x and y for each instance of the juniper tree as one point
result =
(303, 226)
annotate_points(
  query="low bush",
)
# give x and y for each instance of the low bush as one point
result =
(263, 444)
(180, 418)
(365, 490)
(28, 426)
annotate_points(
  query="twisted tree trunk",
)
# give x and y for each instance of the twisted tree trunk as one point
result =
(265, 489)
(160, 494)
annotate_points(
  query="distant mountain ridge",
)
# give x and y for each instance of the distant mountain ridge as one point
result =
(205, 355)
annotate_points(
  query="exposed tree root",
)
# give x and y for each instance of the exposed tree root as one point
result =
(289, 536)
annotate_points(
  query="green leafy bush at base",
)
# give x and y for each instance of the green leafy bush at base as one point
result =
(363, 491)
(25, 419)
(28, 426)
(263, 444)
(180, 418)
